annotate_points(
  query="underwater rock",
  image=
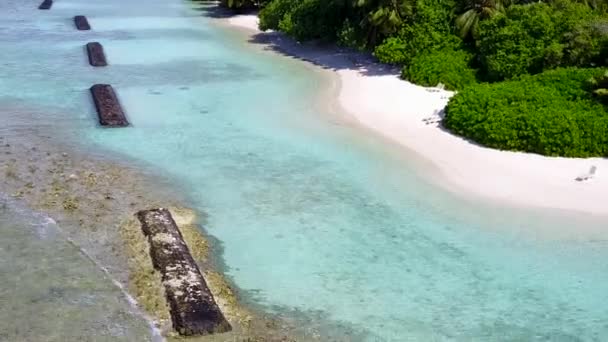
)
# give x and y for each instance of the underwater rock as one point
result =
(82, 23)
(108, 108)
(46, 4)
(97, 57)
(191, 304)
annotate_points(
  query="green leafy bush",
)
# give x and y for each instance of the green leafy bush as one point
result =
(528, 39)
(553, 113)
(444, 66)
(515, 43)
(429, 29)
(393, 51)
(599, 86)
(318, 19)
(274, 12)
(304, 19)
(350, 36)
(587, 44)
(243, 5)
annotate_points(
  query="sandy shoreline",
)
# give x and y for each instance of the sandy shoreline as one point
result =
(378, 99)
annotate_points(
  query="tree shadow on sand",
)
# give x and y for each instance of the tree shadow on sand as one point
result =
(324, 55)
(212, 10)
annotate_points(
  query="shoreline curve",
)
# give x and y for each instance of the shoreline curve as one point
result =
(373, 95)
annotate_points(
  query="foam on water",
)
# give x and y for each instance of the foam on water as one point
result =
(52, 291)
(317, 219)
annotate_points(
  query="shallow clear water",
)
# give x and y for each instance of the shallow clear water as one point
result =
(51, 291)
(318, 220)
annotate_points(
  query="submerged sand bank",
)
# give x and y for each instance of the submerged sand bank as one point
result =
(93, 200)
(374, 95)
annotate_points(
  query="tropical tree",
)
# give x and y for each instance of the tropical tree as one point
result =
(383, 18)
(600, 5)
(474, 11)
(241, 4)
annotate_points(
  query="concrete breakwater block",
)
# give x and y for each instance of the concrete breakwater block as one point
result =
(81, 23)
(193, 309)
(108, 108)
(97, 57)
(46, 4)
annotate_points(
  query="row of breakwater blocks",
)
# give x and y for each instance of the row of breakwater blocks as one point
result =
(192, 307)
(109, 110)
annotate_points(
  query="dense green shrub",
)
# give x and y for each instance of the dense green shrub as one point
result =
(305, 19)
(599, 86)
(429, 29)
(586, 44)
(528, 39)
(394, 50)
(553, 113)
(446, 66)
(316, 19)
(239, 5)
(350, 36)
(274, 12)
(517, 42)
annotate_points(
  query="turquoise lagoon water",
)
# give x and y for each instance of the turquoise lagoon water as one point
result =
(318, 221)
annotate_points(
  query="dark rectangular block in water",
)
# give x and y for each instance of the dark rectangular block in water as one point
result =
(96, 56)
(193, 309)
(82, 23)
(108, 108)
(46, 4)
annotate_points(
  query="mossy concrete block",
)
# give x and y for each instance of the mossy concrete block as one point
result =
(82, 23)
(108, 108)
(97, 57)
(192, 306)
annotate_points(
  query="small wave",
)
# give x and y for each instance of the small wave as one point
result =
(46, 227)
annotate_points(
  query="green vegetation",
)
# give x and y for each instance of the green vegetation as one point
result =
(528, 39)
(450, 67)
(521, 67)
(599, 85)
(242, 4)
(553, 113)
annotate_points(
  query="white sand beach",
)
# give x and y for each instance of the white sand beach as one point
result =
(378, 99)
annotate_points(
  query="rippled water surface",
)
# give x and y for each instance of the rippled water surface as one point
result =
(318, 221)
(51, 291)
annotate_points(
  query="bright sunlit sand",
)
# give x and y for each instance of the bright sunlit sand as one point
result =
(398, 109)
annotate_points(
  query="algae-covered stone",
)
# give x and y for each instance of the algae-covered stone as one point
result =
(192, 306)
(108, 107)
(97, 57)
(82, 23)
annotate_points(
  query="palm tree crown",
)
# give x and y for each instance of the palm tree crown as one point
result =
(474, 11)
(384, 16)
